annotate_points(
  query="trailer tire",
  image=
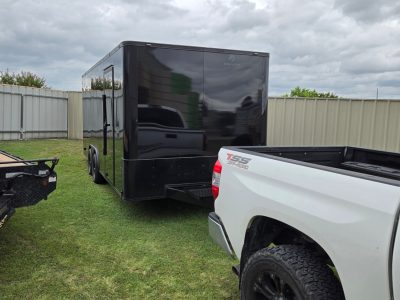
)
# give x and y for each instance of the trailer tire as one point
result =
(287, 271)
(96, 176)
(89, 162)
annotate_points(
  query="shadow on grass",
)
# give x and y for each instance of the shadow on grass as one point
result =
(163, 209)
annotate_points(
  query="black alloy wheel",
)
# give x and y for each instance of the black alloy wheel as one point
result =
(270, 286)
(288, 272)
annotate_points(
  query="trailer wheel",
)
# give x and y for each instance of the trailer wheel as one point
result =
(288, 272)
(96, 176)
(89, 162)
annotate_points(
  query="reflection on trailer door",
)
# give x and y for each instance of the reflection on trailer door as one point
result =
(107, 163)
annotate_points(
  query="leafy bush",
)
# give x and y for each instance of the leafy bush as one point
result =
(22, 78)
(7, 78)
(309, 93)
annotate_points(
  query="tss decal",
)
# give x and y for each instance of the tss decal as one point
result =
(238, 161)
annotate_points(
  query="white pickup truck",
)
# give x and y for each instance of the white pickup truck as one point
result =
(309, 222)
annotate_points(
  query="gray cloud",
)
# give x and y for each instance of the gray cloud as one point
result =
(244, 15)
(364, 63)
(348, 47)
(369, 11)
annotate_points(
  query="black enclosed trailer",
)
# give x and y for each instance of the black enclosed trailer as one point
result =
(155, 116)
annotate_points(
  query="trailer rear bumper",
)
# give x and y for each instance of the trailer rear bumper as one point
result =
(181, 178)
(218, 234)
(24, 183)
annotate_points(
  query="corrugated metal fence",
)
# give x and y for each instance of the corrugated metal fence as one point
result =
(357, 122)
(27, 113)
(42, 113)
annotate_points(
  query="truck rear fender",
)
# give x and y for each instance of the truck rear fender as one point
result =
(264, 232)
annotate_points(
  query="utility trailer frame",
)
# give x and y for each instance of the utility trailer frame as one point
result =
(24, 182)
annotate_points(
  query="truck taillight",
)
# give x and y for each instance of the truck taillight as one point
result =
(215, 179)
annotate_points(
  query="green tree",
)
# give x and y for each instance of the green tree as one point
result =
(309, 93)
(22, 78)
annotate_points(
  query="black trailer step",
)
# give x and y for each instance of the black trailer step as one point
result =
(198, 193)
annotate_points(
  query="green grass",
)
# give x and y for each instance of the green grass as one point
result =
(85, 242)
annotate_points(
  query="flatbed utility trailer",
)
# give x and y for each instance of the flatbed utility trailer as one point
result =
(155, 116)
(24, 182)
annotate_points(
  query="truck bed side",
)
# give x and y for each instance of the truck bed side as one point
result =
(334, 209)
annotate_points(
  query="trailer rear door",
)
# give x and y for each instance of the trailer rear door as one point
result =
(108, 153)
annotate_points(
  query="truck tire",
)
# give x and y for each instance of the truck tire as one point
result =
(96, 176)
(288, 272)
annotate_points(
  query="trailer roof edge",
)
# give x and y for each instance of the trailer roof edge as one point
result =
(177, 47)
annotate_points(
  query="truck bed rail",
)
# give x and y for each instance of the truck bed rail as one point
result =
(380, 164)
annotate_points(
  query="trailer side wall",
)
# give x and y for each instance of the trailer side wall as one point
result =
(106, 77)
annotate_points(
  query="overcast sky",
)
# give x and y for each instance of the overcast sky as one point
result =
(349, 47)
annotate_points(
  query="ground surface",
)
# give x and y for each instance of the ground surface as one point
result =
(84, 242)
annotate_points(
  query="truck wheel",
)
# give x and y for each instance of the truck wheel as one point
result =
(96, 176)
(288, 272)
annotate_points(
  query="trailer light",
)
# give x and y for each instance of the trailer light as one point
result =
(216, 179)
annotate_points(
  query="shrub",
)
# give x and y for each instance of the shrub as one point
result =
(309, 93)
(23, 79)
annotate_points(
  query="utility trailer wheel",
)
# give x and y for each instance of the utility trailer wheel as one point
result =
(288, 272)
(96, 176)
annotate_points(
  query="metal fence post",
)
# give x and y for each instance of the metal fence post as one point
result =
(22, 118)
